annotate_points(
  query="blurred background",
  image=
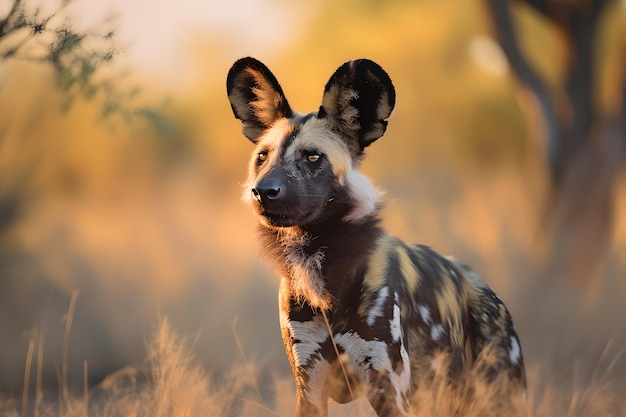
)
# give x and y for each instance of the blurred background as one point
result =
(121, 168)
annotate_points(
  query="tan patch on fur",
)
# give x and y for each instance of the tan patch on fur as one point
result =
(409, 271)
(377, 269)
(317, 134)
(449, 304)
(268, 99)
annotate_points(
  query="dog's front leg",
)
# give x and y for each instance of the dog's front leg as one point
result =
(306, 339)
(389, 365)
(387, 398)
(310, 368)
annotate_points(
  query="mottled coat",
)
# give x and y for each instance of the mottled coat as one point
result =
(361, 312)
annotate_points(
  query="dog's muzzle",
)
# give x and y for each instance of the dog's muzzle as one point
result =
(268, 189)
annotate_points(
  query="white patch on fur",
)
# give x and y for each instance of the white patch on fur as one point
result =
(425, 313)
(364, 195)
(436, 331)
(377, 309)
(394, 323)
(454, 275)
(402, 381)
(314, 391)
(359, 350)
(311, 334)
(377, 351)
(514, 353)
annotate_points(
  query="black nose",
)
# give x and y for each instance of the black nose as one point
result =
(268, 189)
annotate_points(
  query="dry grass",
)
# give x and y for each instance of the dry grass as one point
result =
(172, 384)
(169, 384)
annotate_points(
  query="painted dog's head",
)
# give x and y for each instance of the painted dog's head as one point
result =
(303, 170)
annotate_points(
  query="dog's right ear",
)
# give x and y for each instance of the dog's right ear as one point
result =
(255, 97)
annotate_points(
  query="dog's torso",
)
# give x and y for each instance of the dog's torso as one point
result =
(405, 313)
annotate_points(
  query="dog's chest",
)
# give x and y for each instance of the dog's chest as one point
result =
(378, 335)
(342, 360)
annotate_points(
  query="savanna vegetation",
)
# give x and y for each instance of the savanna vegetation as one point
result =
(120, 205)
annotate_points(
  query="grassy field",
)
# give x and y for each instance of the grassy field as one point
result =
(172, 384)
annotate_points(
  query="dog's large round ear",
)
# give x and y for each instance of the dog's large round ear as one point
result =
(255, 97)
(358, 99)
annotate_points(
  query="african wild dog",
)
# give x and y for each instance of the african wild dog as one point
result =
(360, 311)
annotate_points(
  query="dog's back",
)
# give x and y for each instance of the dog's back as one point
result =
(444, 318)
(453, 320)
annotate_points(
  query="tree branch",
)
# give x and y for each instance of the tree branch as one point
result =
(12, 12)
(5, 27)
(578, 23)
(505, 31)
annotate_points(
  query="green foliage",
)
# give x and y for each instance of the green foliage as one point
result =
(82, 60)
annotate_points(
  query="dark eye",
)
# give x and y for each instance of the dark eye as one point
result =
(261, 157)
(313, 156)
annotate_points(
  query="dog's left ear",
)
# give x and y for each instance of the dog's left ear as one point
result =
(357, 100)
(255, 97)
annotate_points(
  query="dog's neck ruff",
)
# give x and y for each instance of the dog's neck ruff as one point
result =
(304, 256)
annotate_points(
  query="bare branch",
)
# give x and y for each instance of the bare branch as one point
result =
(505, 31)
(14, 11)
(578, 23)
(78, 57)
(12, 52)
(14, 21)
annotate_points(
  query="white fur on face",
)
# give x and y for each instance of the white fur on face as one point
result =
(269, 142)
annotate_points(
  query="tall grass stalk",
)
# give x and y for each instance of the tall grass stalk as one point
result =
(27, 368)
(69, 318)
